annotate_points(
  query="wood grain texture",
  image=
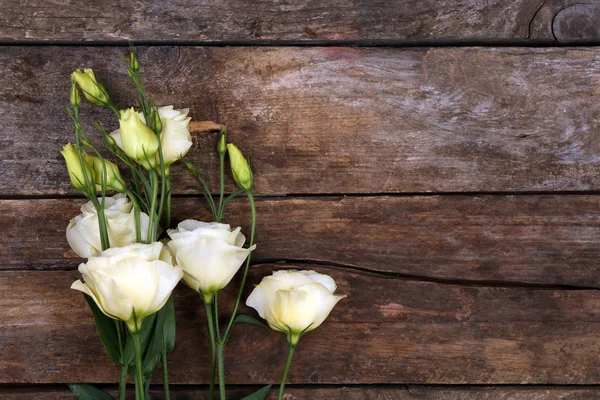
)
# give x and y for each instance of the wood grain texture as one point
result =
(389, 392)
(550, 240)
(387, 330)
(244, 20)
(361, 120)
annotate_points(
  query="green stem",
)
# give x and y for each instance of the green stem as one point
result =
(221, 348)
(237, 303)
(139, 378)
(286, 370)
(123, 382)
(222, 191)
(165, 371)
(227, 200)
(168, 200)
(104, 241)
(213, 356)
(137, 215)
(153, 204)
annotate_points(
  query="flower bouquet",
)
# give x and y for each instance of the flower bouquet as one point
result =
(135, 258)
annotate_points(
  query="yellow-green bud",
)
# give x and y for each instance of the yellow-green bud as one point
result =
(77, 171)
(92, 90)
(139, 142)
(240, 169)
(222, 146)
(75, 97)
(134, 64)
(114, 180)
(156, 122)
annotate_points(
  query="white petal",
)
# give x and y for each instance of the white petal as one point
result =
(323, 279)
(294, 309)
(325, 302)
(169, 277)
(262, 294)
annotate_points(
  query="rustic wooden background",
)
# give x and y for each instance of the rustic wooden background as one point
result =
(438, 158)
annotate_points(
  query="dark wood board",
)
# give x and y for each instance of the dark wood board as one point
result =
(331, 120)
(549, 239)
(389, 392)
(554, 21)
(388, 330)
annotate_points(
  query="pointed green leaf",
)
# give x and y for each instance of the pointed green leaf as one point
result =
(169, 332)
(260, 394)
(107, 330)
(88, 392)
(152, 356)
(246, 319)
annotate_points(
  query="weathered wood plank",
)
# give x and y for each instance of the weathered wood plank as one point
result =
(244, 20)
(332, 120)
(533, 239)
(387, 331)
(351, 393)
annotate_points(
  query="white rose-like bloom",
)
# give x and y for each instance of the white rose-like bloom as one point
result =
(294, 302)
(83, 233)
(129, 283)
(175, 139)
(209, 253)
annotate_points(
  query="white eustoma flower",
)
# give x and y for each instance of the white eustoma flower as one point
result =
(129, 283)
(83, 233)
(175, 139)
(209, 253)
(294, 302)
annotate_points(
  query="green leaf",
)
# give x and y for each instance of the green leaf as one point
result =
(260, 394)
(246, 319)
(169, 326)
(152, 356)
(88, 392)
(107, 330)
(145, 336)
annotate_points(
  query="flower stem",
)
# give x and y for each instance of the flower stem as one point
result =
(222, 191)
(221, 348)
(286, 370)
(137, 215)
(139, 378)
(165, 371)
(123, 382)
(245, 274)
(167, 177)
(213, 349)
(153, 200)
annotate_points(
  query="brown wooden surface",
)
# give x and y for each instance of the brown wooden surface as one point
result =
(553, 240)
(560, 21)
(352, 393)
(332, 120)
(386, 331)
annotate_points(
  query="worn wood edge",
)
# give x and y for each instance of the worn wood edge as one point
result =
(495, 240)
(354, 392)
(385, 331)
(446, 120)
(555, 21)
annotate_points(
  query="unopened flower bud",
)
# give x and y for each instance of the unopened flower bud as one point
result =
(139, 142)
(222, 146)
(114, 180)
(75, 97)
(134, 64)
(155, 122)
(92, 90)
(240, 169)
(78, 173)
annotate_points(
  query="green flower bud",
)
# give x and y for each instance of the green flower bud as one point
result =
(77, 171)
(92, 90)
(222, 146)
(75, 97)
(114, 180)
(134, 64)
(240, 169)
(156, 122)
(139, 142)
